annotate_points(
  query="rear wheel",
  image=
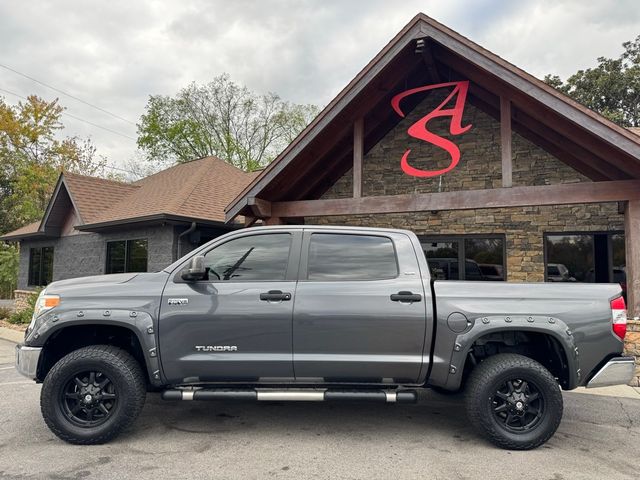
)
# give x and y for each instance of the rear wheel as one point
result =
(514, 401)
(92, 394)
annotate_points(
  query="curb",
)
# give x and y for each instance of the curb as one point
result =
(11, 335)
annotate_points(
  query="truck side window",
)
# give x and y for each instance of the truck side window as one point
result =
(351, 257)
(256, 257)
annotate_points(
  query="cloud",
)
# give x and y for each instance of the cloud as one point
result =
(115, 54)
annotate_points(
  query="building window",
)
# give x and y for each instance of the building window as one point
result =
(585, 257)
(483, 257)
(40, 266)
(351, 257)
(127, 256)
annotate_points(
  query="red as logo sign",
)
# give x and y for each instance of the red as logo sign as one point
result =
(419, 129)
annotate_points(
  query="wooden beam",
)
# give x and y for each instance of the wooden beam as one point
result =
(563, 194)
(249, 221)
(505, 142)
(358, 153)
(259, 207)
(632, 255)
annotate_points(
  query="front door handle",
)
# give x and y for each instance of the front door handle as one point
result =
(275, 296)
(406, 297)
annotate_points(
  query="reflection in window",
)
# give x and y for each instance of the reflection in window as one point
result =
(351, 257)
(256, 257)
(586, 257)
(127, 256)
(483, 258)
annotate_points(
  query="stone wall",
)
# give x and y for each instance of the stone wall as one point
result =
(479, 168)
(632, 347)
(86, 253)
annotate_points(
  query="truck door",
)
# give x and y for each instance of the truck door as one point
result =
(360, 313)
(236, 324)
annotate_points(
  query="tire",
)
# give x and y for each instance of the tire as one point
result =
(86, 408)
(502, 404)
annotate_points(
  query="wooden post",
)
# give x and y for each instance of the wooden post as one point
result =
(632, 255)
(358, 152)
(505, 141)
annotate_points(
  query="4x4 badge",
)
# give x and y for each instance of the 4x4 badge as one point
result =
(178, 301)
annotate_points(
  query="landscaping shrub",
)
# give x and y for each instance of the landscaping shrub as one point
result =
(24, 315)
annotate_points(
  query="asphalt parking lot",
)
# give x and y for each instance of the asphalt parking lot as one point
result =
(597, 439)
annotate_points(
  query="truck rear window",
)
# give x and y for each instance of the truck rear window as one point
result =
(351, 257)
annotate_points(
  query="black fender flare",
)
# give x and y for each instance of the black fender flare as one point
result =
(482, 326)
(140, 323)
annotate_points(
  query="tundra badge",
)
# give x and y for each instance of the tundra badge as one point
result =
(216, 348)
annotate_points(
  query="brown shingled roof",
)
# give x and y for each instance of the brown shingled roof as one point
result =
(92, 195)
(198, 190)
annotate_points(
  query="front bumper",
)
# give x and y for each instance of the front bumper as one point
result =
(27, 359)
(617, 371)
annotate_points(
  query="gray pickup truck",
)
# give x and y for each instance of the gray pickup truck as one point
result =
(315, 313)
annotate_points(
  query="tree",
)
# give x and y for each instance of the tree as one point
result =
(222, 119)
(32, 154)
(612, 88)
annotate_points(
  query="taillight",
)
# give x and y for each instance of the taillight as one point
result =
(619, 317)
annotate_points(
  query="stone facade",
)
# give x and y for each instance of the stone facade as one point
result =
(479, 168)
(632, 347)
(86, 253)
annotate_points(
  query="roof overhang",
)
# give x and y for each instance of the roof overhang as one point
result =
(152, 220)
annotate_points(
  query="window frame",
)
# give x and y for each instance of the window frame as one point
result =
(593, 233)
(41, 283)
(459, 239)
(291, 270)
(126, 254)
(303, 275)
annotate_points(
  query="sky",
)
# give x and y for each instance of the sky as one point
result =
(115, 54)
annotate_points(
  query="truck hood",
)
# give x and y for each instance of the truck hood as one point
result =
(104, 284)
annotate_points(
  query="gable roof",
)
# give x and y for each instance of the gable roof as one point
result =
(194, 191)
(589, 142)
(198, 189)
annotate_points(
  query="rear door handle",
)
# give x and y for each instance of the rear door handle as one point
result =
(275, 296)
(406, 297)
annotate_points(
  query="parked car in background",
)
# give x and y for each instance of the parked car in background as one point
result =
(447, 269)
(492, 271)
(557, 272)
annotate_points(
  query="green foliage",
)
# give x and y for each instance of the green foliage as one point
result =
(5, 313)
(24, 316)
(32, 155)
(612, 88)
(9, 258)
(222, 119)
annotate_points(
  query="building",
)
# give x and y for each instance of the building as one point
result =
(94, 226)
(491, 167)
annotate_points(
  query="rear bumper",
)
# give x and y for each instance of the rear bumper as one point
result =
(27, 359)
(617, 371)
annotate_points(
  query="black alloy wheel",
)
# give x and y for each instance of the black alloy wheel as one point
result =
(518, 405)
(89, 398)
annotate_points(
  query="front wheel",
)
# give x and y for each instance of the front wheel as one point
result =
(514, 401)
(92, 394)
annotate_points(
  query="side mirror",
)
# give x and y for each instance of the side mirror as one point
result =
(196, 269)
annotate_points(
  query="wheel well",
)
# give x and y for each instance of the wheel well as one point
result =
(72, 338)
(541, 347)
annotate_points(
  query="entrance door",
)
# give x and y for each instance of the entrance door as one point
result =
(361, 312)
(236, 324)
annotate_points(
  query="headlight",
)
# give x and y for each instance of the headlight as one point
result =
(43, 303)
